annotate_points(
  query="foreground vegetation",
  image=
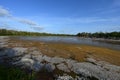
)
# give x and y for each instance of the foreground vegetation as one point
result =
(13, 73)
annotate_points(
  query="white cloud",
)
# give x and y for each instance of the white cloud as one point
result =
(4, 25)
(83, 20)
(4, 12)
(37, 28)
(88, 20)
(26, 21)
(31, 23)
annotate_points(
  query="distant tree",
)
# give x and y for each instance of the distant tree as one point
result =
(4, 32)
(110, 35)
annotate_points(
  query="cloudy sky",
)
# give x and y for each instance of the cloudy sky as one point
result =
(60, 16)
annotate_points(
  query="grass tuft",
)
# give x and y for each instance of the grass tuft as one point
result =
(13, 73)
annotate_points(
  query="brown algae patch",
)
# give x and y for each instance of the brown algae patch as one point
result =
(72, 51)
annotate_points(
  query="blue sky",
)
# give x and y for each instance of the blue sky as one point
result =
(60, 16)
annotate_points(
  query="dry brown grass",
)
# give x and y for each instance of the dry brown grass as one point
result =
(73, 51)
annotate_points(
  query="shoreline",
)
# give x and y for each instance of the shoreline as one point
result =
(66, 50)
(107, 40)
(75, 41)
(65, 60)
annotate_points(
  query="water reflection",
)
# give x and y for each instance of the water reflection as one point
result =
(72, 40)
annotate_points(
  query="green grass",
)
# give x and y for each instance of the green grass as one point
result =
(13, 73)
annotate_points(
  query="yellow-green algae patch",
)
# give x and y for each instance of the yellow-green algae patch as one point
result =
(72, 51)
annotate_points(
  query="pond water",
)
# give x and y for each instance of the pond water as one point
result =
(72, 40)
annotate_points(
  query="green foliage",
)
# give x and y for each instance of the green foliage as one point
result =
(110, 35)
(12, 73)
(4, 32)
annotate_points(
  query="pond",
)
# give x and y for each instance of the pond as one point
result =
(72, 40)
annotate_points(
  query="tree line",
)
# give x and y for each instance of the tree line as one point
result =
(107, 35)
(4, 32)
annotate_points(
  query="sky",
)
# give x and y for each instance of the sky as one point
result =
(60, 16)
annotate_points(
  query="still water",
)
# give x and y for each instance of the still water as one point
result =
(72, 40)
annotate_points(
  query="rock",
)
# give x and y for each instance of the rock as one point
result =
(2, 52)
(20, 50)
(38, 58)
(27, 62)
(70, 63)
(90, 70)
(49, 67)
(46, 58)
(65, 77)
(56, 60)
(28, 56)
(12, 52)
(35, 60)
(53, 60)
(91, 60)
(37, 66)
(63, 67)
(3, 41)
(35, 53)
